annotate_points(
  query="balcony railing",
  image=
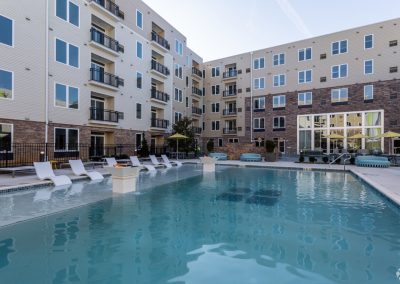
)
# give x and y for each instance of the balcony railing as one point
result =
(229, 111)
(230, 130)
(111, 7)
(100, 38)
(197, 130)
(160, 96)
(159, 68)
(160, 40)
(197, 91)
(228, 93)
(100, 76)
(196, 110)
(159, 123)
(197, 72)
(229, 74)
(104, 115)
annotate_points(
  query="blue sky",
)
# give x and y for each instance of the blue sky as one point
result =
(220, 28)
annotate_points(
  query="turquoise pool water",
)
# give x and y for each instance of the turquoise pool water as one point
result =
(239, 225)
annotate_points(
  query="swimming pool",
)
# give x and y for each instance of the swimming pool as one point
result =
(239, 225)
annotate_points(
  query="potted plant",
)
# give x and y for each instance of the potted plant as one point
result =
(210, 145)
(270, 151)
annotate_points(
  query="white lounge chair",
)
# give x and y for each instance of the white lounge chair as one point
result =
(155, 162)
(136, 163)
(174, 162)
(111, 162)
(45, 172)
(79, 170)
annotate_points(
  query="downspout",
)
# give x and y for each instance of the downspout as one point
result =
(251, 97)
(46, 138)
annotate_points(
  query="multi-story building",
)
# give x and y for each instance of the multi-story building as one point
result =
(93, 72)
(300, 94)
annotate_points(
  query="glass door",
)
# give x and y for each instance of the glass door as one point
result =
(97, 145)
(97, 109)
(97, 71)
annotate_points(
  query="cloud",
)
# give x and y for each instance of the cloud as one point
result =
(292, 14)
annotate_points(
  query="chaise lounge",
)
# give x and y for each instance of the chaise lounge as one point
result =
(250, 157)
(218, 156)
(372, 161)
(45, 172)
(79, 170)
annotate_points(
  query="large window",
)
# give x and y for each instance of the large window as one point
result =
(279, 59)
(66, 139)
(259, 123)
(279, 80)
(215, 125)
(368, 41)
(215, 90)
(279, 122)
(339, 47)
(67, 11)
(259, 83)
(259, 103)
(6, 84)
(339, 95)
(215, 72)
(305, 54)
(179, 47)
(6, 31)
(279, 101)
(139, 19)
(339, 71)
(178, 95)
(139, 80)
(259, 63)
(304, 98)
(305, 76)
(67, 53)
(178, 71)
(178, 116)
(369, 67)
(139, 50)
(66, 96)
(215, 107)
(5, 137)
(368, 92)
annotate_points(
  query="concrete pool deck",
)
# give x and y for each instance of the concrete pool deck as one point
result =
(386, 181)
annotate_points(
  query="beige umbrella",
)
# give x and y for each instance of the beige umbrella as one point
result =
(358, 136)
(389, 134)
(335, 136)
(177, 137)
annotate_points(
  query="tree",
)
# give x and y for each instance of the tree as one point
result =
(210, 145)
(184, 127)
(144, 148)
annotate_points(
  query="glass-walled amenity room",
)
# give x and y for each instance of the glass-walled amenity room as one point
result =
(333, 132)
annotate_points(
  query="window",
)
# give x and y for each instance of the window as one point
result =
(66, 96)
(6, 84)
(215, 107)
(233, 140)
(67, 53)
(339, 47)
(6, 131)
(139, 111)
(178, 116)
(259, 103)
(6, 28)
(339, 95)
(368, 67)
(259, 63)
(139, 80)
(339, 71)
(139, 50)
(259, 123)
(179, 47)
(215, 90)
(279, 122)
(305, 54)
(279, 80)
(279, 101)
(305, 76)
(178, 95)
(304, 98)
(279, 59)
(215, 125)
(259, 83)
(66, 139)
(187, 101)
(68, 11)
(368, 41)
(139, 19)
(215, 72)
(368, 92)
(220, 142)
(178, 71)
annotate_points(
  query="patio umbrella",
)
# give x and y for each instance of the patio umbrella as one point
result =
(335, 136)
(177, 137)
(389, 134)
(358, 136)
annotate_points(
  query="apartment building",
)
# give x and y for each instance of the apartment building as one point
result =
(93, 72)
(299, 94)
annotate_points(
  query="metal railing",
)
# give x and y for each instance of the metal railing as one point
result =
(159, 123)
(197, 72)
(158, 95)
(111, 7)
(103, 39)
(159, 67)
(229, 111)
(160, 40)
(197, 130)
(196, 110)
(229, 74)
(228, 93)
(230, 130)
(197, 91)
(104, 115)
(100, 76)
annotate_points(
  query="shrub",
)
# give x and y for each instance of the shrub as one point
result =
(301, 159)
(325, 159)
(312, 159)
(338, 161)
(270, 146)
(352, 160)
(210, 145)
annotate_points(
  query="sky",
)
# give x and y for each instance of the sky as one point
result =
(221, 28)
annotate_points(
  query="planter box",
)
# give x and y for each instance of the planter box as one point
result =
(124, 178)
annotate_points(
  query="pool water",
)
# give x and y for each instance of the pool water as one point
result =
(238, 225)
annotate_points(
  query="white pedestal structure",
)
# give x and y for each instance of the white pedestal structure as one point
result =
(124, 179)
(208, 164)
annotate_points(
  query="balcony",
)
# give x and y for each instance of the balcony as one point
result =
(104, 115)
(106, 43)
(104, 79)
(160, 40)
(197, 72)
(197, 111)
(230, 131)
(159, 96)
(159, 123)
(197, 130)
(227, 112)
(229, 94)
(159, 68)
(197, 91)
(230, 74)
(110, 7)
